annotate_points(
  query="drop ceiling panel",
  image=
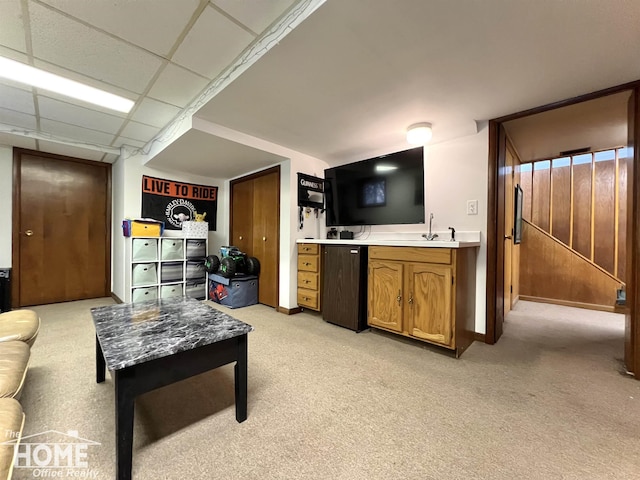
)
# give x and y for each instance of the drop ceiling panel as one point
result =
(16, 99)
(18, 119)
(211, 156)
(12, 26)
(212, 43)
(83, 117)
(130, 20)
(74, 132)
(257, 16)
(70, 151)
(139, 131)
(64, 41)
(177, 86)
(153, 112)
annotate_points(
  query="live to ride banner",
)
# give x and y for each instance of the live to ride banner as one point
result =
(175, 202)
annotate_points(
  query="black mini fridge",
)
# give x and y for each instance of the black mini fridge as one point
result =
(344, 286)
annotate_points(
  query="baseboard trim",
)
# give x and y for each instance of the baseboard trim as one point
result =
(289, 311)
(116, 298)
(479, 337)
(568, 303)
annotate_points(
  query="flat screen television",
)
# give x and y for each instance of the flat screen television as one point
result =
(386, 190)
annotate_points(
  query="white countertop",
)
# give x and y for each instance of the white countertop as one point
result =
(466, 239)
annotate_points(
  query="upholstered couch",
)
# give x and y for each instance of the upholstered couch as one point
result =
(18, 331)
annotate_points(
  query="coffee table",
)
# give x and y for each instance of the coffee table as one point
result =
(148, 345)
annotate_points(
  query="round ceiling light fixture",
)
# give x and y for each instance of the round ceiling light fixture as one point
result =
(419, 133)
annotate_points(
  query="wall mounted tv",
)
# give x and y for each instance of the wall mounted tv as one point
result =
(386, 190)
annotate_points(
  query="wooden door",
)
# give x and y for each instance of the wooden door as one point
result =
(385, 299)
(266, 227)
(429, 291)
(508, 230)
(242, 224)
(61, 235)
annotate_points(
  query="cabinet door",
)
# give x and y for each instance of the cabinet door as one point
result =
(385, 298)
(429, 289)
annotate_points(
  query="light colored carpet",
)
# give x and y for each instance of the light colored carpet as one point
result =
(548, 401)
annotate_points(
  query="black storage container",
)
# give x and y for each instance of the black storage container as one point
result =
(5, 289)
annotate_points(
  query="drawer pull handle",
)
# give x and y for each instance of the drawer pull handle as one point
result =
(399, 298)
(411, 298)
(306, 264)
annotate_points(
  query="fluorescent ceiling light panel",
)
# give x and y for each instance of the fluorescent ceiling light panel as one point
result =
(19, 72)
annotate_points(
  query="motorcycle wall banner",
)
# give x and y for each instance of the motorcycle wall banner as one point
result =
(175, 202)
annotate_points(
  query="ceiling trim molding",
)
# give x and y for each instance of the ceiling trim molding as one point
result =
(25, 132)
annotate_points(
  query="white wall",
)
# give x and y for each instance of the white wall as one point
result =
(6, 194)
(127, 193)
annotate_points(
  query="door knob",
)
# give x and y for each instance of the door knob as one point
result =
(28, 233)
(240, 237)
(264, 239)
(507, 237)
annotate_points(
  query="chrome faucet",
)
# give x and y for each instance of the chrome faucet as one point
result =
(430, 236)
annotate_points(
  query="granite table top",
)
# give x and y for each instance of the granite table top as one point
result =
(134, 333)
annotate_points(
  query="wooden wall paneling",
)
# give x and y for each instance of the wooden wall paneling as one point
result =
(582, 208)
(509, 228)
(526, 182)
(515, 262)
(603, 214)
(561, 199)
(551, 271)
(541, 194)
(621, 254)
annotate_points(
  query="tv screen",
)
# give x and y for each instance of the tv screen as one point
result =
(386, 190)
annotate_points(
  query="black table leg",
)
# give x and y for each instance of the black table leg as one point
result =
(241, 380)
(100, 366)
(124, 425)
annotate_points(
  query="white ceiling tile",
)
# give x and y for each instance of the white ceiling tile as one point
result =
(255, 15)
(74, 132)
(16, 99)
(12, 25)
(70, 151)
(138, 131)
(18, 119)
(211, 45)
(120, 141)
(83, 117)
(130, 20)
(17, 141)
(77, 47)
(110, 158)
(153, 112)
(177, 86)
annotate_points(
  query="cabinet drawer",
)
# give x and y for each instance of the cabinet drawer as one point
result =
(308, 248)
(144, 274)
(308, 280)
(168, 291)
(142, 294)
(172, 249)
(308, 263)
(145, 249)
(411, 254)
(308, 298)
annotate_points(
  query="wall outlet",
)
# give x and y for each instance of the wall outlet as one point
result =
(472, 207)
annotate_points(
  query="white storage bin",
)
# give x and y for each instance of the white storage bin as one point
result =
(196, 248)
(144, 274)
(142, 294)
(195, 229)
(168, 291)
(145, 249)
(172, 249)
(170, 272)
(196, 290)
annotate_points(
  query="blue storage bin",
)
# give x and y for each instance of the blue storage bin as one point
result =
(239, 291)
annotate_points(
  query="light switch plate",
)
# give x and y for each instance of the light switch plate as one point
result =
(472, 207)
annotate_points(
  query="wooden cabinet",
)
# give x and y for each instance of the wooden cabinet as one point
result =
(309, 276)
(423, 293)
(255, 227)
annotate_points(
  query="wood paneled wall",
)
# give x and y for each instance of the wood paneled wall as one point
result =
(551, 271)
(581, 201)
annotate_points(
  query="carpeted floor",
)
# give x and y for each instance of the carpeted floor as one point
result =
(548, 401)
